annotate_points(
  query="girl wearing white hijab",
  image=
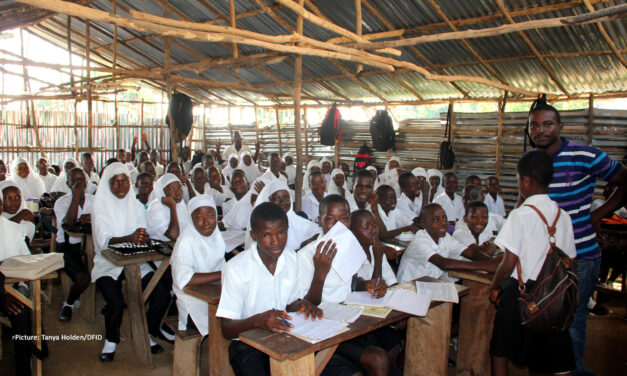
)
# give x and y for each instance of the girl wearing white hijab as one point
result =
(118, 217)
(326, 166)
(167, 214)
(434, 177)
(197, 259)
(290, 168)
(390, 175)
(251, 170)
(14, 208)
(231, 165)
(61, 184)
(375, 173)
(334, 188)
(313, 165)
(27, 180)
(299, 229)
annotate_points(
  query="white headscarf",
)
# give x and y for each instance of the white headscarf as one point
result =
(32, 186)
(390, 176)
(332, 188)
(158, 215)
(299, 229)
(435, 172)
(195, 253)
(61, 184)
(419, 171)
(111, 216)
(312, 163)
(252, 172)
(228, 170)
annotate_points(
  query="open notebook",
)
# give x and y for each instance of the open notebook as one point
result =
(401, 300)
(336, 319)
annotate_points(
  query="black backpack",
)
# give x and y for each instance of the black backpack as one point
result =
(363, 158)
(182, 113)
(551, 304)
(447, 155)
(330, 131)
(382, 131)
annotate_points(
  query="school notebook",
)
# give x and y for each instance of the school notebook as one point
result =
(315, 331)
(340, 312)
(440, 291)
(416, 304)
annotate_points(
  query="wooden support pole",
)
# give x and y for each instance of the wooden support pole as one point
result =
(499, 134)
(69, 47)
(452, 105)
(115, 66)
(233, 25)
(162, 138)
(306, 126)
(76, 129)
(278, 130)
(298, 83)
(590, 118)
(141, 121)
(90, 120)
(174, 134)
(358, 31)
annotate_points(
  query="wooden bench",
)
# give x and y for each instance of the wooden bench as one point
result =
(187, 345)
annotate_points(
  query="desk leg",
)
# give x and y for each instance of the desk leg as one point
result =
(137, 314)
(37, 310)
(426, 351)
(218, 346)
(302, 366)
(475, 330)
(88, 298)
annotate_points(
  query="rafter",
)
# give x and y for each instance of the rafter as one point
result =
(607, 38)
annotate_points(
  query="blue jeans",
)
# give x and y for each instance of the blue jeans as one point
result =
(588, 273)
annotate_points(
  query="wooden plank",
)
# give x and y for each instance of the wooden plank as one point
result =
(155, 279)
(218, 346)
(426, 346)
(302, 366)
(322, 358)
(137, 314)
(209, 292)
(122, 260)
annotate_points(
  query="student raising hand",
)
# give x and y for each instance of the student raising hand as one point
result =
(325, 253)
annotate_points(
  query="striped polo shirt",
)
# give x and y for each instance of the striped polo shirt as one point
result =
(576, 168)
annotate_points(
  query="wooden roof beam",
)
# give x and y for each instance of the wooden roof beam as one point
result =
(606, 36)
(533, 48)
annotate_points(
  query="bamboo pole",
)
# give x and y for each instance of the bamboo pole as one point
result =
(499, 134)
(278, 126)
(118, 135)
(306, 125)
(298, 83)
(162, 138)
(76, 129)
(358, 31)
(30, 104)
(233, 25)
(590, 118)
(90, 120)
(174, 134)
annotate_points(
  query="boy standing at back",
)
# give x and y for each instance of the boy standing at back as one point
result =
(492, 199)
(524, 238)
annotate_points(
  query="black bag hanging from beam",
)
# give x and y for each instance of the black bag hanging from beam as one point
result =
(181, 108)
(382, 131)
(330, 132)
(447, 155)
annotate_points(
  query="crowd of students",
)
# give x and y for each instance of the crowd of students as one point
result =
(210, 205)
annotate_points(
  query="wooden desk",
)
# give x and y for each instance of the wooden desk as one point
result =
(34, 303)
(426, 351)
(476, 322)
(136, 298)
(88, 297)
(218, 346)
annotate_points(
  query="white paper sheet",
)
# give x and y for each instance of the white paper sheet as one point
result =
(440, 291)
(314, 331)
(405, 301)
(340, 312)
(364, 298)
(350, 255)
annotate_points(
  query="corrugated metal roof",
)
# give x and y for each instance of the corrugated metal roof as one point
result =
(598, 71)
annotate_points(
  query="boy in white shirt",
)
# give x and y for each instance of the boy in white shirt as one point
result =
(524, 238)
(44, 174)
(362, 191)
(392, 222)
(432, 252)
(473, 232)
(259, 287)
(73, 208)
(450, 201)
(411, 200)
(492, 199)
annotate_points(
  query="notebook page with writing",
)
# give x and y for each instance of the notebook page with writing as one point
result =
(340, 312)
(441, 292)
(315, 331)
(405, 301)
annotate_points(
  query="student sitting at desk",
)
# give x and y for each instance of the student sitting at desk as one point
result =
(311, 200)
(73, 208)
(319, 282)
(15, 210)
(12, 243)
(144, 187)
(167, 214)
(200, 180)
(197, 259)
(362, 191)
(117, 217)
(258, 286)
(188, 190)
(450, 201)
(221, 193)
(473, 232)
(433, 251)
(391, 221)
(525, 239)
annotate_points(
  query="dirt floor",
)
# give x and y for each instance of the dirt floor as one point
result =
(606, 353)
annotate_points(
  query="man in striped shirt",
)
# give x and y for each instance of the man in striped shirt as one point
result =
(576, 169)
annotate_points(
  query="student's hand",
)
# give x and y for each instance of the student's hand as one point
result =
(309, 310)
(219, 144)
(379, 288)
(494, 297)
(595, 220)
(253, 199)
(14, 306)
(373, 200)
(325, 253)
(259, 186)
(135, 139)
(144, 137)
(392, 253)
(274, 321)
(140, 236)
(491, 265)
(489, 248)
(414, 228)
(85, 218)
(169, 202)
(257, 146)
(24, 215)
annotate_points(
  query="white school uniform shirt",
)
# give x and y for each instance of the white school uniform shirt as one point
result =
(525, 234)
(248, 287)
(353, 204)
(220, 197)
(61, 207)
(334, 290)
(48, 180)
(311, 206)
(394, 219)
(495, 206)
(291, 174)
(495, 221)
(454, 209)
(366, 270)
(159, 169)
(463, 234)
(409, 207)
(12, 240)
(94, 178)
(238, 215)
(415, 261)
(195, 253)
(231, 150)
(27, 227)
(267, 177)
